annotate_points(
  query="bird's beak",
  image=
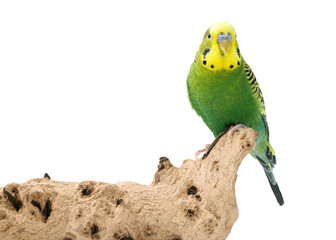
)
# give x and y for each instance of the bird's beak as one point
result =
(224, 45)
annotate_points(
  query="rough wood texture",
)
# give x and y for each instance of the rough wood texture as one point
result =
(195, 201)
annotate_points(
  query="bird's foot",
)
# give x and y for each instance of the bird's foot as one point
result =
(208, 147)
(235, 128)
(202, 150)
(215, 141)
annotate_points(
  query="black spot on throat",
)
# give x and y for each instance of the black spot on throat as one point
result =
(204, 62)
(231, 66)
(212, 66)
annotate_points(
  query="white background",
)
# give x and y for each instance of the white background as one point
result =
(95, 90)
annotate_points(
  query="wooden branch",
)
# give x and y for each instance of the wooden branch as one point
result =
(195, 201)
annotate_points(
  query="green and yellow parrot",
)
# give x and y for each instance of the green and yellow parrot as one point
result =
(224, 91)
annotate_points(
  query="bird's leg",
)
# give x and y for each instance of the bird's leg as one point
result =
(202, 150)
(236, 128)
(215, 141)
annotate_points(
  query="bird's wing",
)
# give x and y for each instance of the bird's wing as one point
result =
(256, 89)
(259, 97)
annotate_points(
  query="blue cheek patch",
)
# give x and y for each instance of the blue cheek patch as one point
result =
(238, 52)
(206, 52)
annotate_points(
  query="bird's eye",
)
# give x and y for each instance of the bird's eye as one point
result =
(209, 36)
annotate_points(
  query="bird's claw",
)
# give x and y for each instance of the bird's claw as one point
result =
(235, 128)
(209, 147)
(202, 150)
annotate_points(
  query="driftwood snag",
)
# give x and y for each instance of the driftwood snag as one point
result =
(195, 201)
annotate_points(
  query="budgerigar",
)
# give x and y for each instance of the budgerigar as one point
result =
(224, 91)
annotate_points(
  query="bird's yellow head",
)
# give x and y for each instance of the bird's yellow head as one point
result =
(219, 49)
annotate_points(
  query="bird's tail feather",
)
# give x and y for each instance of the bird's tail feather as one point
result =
(275, 188)
(268, 165)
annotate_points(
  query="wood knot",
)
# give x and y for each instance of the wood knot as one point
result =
(94, 229)
(86, 191)
(13, 195)
(3, 214)
(119, 201)
(163, 163)
(86, 187)
(90, 229)
(149, 230)
(248, 145)
(190, 213)
(192, 190)
(46, 175)
(46, 210)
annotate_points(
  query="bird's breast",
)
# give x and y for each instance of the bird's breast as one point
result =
(222, 101)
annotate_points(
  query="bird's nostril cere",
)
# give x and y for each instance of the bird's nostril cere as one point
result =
(221, 37)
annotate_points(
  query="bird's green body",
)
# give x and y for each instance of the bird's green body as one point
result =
(226, 98)
(224, 91)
